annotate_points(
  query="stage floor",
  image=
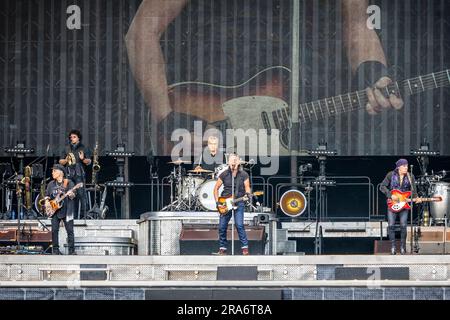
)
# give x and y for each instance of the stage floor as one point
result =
(325, 277)
(332, 270)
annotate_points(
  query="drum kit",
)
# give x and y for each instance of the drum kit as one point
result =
(194, 189)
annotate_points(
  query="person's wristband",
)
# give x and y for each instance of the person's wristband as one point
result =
(368, 73)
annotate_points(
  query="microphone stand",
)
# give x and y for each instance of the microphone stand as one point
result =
(232, 212)
(445, 232)
(411, 213)
(19, 208)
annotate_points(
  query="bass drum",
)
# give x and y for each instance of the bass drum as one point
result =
(205, 195)
(438, 209)
(190, 184)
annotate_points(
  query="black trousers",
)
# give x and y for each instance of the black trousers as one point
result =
(69, 229)
(81, 198)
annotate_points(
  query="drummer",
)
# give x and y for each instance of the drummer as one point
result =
(210, 158)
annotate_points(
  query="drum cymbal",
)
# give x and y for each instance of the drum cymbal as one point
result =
(200, 170)
(178, 162)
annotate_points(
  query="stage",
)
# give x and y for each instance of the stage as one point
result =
(108, 267)
(280, 277)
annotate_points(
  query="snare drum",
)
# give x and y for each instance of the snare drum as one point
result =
(205, 195)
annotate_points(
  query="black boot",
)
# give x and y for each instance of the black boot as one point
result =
(55, 251)
(391, 232)
(404, 232)
(72, 251)
(393, 249)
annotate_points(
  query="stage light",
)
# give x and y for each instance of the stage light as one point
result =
(120, 154)
(293, 203)
(319, 152)
(329, 183)
(119, 184)
(19, 149)
(424, 153)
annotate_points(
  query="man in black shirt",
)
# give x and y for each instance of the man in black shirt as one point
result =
(402, 180)
(76, 157)
(57, 186)
(241, 188)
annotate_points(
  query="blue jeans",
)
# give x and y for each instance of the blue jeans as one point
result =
(403, 216)
(238, 221)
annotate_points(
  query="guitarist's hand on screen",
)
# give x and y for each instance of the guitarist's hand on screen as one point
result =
(417, 200)
(71, 195)
(374, 77)
(394, 198)
(377, 101)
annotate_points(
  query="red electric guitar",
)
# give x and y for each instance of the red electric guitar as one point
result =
(403, 200)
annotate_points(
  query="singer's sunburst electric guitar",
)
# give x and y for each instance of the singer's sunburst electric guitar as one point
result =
(227, 203)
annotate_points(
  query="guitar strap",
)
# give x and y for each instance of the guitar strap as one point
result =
(237, 181)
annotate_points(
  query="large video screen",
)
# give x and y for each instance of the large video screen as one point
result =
(160, 76)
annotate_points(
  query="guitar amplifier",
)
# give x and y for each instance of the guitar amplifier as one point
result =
(384, 246)
(8, 235)
(36, 236)
(204, 240)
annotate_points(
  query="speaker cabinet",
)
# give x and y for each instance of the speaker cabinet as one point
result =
(204, 240)
(237, 273)
(381, 273)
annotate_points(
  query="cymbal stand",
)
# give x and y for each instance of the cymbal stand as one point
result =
(181, 204)
(169, 207)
